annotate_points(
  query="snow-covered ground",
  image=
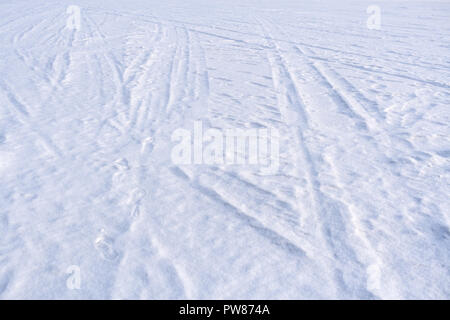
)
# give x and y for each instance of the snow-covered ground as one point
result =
(92, 204)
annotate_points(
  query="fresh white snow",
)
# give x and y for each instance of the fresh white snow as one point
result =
(93, 206)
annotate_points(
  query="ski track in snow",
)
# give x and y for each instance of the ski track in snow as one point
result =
(358, 210)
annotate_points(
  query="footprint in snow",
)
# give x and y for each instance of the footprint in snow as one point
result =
(147, 145)
(122, 164)
(136, 195)
(136, 211)
(104, 245)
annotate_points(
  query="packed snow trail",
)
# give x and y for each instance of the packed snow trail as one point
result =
(93, 206)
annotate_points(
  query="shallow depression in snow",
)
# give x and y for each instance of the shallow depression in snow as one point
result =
(348, 101)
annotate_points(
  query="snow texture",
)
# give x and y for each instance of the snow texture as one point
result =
(93, 207)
